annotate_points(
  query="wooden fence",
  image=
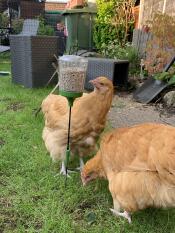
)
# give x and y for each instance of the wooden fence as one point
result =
(140, 39)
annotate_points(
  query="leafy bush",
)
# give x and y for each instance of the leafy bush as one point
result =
(128, 52)
(4, 20)
(17, 25)
(104, 31)
(114, 20)
(113, 25)
(44, 29)
(168, 76)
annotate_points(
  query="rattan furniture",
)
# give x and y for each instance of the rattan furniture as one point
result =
(115, 70)
(4, 48)
(32, 56)
(30, 27)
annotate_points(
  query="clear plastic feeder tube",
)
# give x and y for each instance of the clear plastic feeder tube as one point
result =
(72, 70)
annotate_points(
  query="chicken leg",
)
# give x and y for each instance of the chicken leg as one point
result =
(125, 214)
(63, 170)
(80, 168)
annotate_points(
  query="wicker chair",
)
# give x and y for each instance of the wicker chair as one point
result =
(32, 56)
(30, 27)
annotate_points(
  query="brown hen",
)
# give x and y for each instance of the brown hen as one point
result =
(139, 163)
(88, 120)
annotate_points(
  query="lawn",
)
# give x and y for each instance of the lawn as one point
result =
(33, 198)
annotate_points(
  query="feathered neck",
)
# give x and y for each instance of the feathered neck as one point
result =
(95, 166)
(96, 102)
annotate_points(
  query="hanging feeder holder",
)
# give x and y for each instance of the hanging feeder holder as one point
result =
(72, 70)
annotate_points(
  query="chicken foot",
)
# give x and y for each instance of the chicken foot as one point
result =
(125, 214)
(80, 168)
(63, 170)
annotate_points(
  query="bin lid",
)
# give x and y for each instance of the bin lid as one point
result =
(81, 10)
(51, 12)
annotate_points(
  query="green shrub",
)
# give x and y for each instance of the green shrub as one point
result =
(4, 20)
(114, 20)
(44, 29)
(112, 29)
(104, 31)
(17, 25)
(128, 52)
(167, 76)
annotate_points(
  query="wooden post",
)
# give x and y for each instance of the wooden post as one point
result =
(164, 6)
(141, 14)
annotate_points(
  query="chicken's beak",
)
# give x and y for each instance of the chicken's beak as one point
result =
(83, 180)
(95, 83)
(84, 183)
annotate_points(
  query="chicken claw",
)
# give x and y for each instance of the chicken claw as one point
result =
(63, 171)
(80, 168)
(125, 214)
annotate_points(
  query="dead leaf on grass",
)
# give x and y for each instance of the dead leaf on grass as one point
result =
(15, 106)
(2, 142)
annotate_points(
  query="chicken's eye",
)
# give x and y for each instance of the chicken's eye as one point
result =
(90, 175)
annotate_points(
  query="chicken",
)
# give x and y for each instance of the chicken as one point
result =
(88, 120)
(139, 164)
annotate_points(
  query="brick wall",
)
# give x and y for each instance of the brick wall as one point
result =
(50, 6)
(30, 9)
(75, 3)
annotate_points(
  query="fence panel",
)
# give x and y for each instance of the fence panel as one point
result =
(140, 39)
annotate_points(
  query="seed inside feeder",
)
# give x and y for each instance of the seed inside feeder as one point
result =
(72, 79)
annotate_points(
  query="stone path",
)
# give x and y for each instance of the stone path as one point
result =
(126, 111)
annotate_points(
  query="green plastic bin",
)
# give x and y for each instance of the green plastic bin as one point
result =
(79, 24)
(53, 17)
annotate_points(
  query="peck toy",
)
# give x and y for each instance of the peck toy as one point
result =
(72, 70)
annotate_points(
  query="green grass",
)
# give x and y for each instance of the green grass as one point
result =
(33, 199)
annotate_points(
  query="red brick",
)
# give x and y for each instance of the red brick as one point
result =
(50, 6)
